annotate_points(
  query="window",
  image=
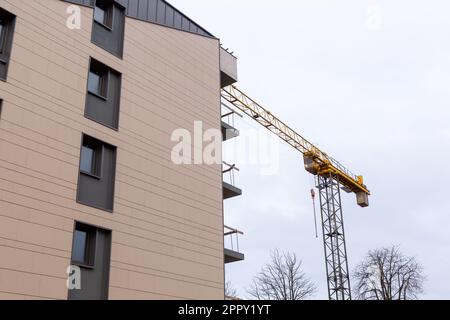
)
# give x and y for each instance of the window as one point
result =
(103, 98)
(96, 180)
(2, 35)
(91, 157)
(103, 13)
(109, 25)
(83, 248)
(7, 23)
(98, 79)
(91, 252)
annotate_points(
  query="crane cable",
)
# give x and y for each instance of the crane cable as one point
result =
(313, 196)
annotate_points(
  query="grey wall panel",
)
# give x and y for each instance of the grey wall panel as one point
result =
(169, 16)
(151, 10)
(111, 40)
(161, 12)
(177, 20)
(88, 3)
(155, 11)
(143, 10)
(133, 8)
(99, 193)
(95, 281)
(185, 25)
(106, 111)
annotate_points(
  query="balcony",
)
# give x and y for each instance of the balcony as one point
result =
(231, 250)
(228, 184)
(229, 130)
(228, 68)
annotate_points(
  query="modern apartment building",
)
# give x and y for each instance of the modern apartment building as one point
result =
(91, 92)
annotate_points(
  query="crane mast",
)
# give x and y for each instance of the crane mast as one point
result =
(331, 178)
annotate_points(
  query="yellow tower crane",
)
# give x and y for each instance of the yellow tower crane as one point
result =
(331, 177)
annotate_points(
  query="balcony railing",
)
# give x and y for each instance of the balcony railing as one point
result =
(229, 173)
(231, 237)
(229, 115)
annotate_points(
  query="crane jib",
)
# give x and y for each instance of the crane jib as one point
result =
(316, 161)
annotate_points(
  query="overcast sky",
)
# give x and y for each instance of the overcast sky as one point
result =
(369, 82)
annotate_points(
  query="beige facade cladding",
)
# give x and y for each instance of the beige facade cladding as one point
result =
(167, 224)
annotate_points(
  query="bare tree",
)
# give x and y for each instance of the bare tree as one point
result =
(230, 291)
(282, 279)
(387, 274)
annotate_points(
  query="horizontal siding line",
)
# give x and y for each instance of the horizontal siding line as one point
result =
(150, 292)
(84, 76)
(32, 150)
(114, 262)
(153, 252)
(170, 192)
(201, 210)
(122, 165)
(135, 218)
(33, 273)
(165, 277)
(43, 145)
(32, 222)
(173, 245)
(92, 126)
(84, 92)
(137, 67)
(173, 40)
(115, 231)
(76, 149)
(130, 225)
(213, 75)
(213, 72)
(167, 190)
(187, 52)
(119, 163)
(27, 295)
(111, 220)
(29, 175)
(35, 245)
(194, 225)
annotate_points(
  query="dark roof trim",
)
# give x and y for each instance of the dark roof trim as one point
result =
(155, 11)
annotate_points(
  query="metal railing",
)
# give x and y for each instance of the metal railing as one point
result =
(229, 115)
(233, 236)
(229, 170)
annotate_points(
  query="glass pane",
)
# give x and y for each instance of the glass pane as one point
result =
(94, 83)
(99, 15)
(1, 35)
(87, 157)
(79, 246)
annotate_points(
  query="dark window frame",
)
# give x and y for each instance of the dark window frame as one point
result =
(99, 179)
(90, 246)
(97, 158)
(6, 20)
(108, 9)
(103, 71)
(3, 35)
(6, 40)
